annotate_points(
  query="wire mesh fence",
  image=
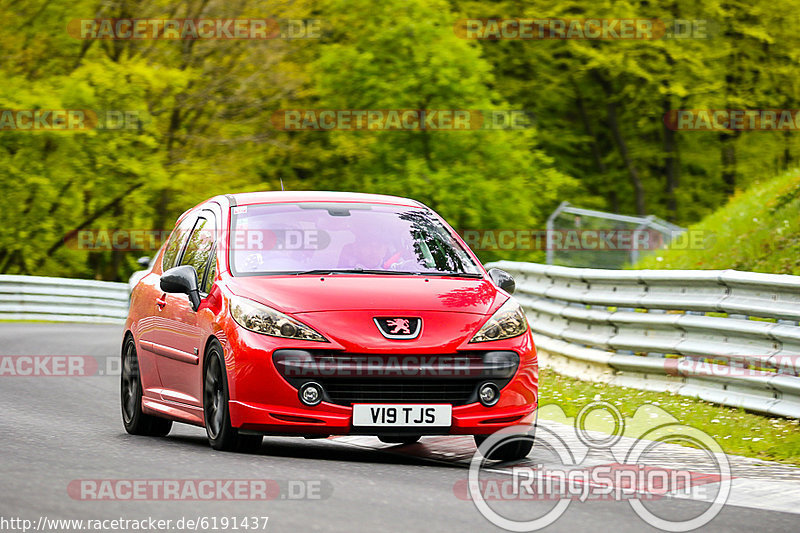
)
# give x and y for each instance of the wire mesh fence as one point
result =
(579, 237)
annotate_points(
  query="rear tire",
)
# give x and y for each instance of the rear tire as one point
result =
(134, 420)
(514, 450)
(221, 435)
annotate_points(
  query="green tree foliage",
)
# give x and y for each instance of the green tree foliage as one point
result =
(600, 103)
(202, 114)
(409, 58)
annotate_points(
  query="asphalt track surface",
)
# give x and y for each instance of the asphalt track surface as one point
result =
(55, 430)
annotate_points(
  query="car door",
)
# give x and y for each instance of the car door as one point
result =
(153, 330)
(178, 364)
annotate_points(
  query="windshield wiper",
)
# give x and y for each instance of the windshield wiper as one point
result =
(455, 274)
(330, 271)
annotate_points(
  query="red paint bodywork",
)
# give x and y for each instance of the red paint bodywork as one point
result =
(171, 338)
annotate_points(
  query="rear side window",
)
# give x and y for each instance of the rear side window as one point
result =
(199, 247)
(175, 242)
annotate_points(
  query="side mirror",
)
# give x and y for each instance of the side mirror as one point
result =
(503, 279)
(143, 261)
(182, 280)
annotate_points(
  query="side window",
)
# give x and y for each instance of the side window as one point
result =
(199, 247)
(176, 241)
(212, 272)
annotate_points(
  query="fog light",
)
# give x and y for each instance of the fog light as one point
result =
(488, 394)
(310, 393)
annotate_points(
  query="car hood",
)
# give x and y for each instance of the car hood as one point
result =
(307, 294)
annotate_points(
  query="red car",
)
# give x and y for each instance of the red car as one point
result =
(320, 313)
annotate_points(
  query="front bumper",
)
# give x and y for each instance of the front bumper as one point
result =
(264, 401)
(323, 420)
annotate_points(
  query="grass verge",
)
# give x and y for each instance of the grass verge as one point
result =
(758, 230)
(737, 431)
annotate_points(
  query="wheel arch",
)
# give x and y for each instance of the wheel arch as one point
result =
(128, 334)
(212, 339)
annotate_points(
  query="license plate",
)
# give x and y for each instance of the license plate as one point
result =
(402, 415)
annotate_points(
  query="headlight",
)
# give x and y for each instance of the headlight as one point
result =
(508, 321)
(262, 319)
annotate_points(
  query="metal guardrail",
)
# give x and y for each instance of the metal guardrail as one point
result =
(62, 300)
(725, 336)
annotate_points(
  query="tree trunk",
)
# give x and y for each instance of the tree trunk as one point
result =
(613, 125)
(787, 153)
(670, 162)
(728, 157)
(94, 216)
(587, 126)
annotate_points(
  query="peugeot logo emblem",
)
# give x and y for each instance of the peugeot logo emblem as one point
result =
(399, 327)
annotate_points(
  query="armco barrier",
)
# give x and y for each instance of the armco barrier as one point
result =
(724, 336)
(721, 335)
(62, 300)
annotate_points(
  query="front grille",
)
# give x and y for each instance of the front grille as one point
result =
(350, 391)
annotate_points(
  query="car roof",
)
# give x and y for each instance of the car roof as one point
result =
(271, 197)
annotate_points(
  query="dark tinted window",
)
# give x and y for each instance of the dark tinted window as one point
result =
(199, 247)
(176, 241)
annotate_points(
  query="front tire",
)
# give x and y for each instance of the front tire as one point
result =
(514, 450)
(411, 439)
(135, 421)
(221, 435)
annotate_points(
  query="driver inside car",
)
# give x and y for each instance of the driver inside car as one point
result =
(371, 251)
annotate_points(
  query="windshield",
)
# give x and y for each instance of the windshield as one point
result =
(318, 238)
